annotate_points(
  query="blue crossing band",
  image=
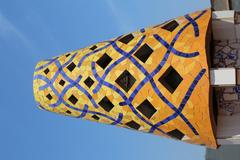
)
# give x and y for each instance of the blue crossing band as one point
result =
(183, 103)
(158, 68)
(194, 24)
(115, 121)
(76, 84)
(96, 89)
(117, 90)
(174, 51)
(60, 97)
(148, 76)
(72, 82)
(91, 53)
(46, 80)
(84, 111)
(47, 64)
(58, 71)
(96, 51)
(126, 100)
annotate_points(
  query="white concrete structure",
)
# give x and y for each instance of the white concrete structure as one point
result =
(226, 76)
(223, 77)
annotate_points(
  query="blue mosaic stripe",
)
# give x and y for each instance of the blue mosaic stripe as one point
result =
(91, 53)
(194, 24)
(200, 15)
(190, 90)
(72, 82)
(115, 121)
(130, 57)
(47, 64)
(142, 30)
(170, 48)
(58, 71)
(174, 51)
(60, 96)
(40, 106)
(94, 112)
(118, 121)
(45, 79)
(84, 112)
(77, 85)
(117, 90)
(183, 103)
(158, 68)
(54, 78)
(64, 91)
(148, 76)
(96, 89)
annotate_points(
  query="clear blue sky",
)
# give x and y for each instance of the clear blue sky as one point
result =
(34, 30)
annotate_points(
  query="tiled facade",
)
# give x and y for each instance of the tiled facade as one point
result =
(155, 80)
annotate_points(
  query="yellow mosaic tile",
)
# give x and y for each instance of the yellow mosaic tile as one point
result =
(154, 80)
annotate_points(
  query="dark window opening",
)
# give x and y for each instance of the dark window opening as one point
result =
(71, 67)
(106, 104)
(171, 26)
(68, 112)
(93, 47)
(125, 81)
(95, 117)
(144, 53)
(126, 39)
(89, 82)
(49, 96)
(73, 99)
(176, 134)
(147, 109)
(62, 82)
(104, 61)
(170, 79)
(133, 125)
(46, 71)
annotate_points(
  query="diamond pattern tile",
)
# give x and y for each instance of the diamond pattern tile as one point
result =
(171, 79)
(176, 134)
(89, 82)
(95, 117)
(171, 26)
(125, 81)
(147, 109)
(71, 66)
(62, 82)
(73, 99)
(126, 39)
(144, 53)
(133, 125)
(104, 61)
(106, 104)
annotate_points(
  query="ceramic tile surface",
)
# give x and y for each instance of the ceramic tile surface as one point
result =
(154, 80)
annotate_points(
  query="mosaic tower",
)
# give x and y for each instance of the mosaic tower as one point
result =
(154, 80)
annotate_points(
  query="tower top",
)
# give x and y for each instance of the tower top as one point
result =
(155, 80)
